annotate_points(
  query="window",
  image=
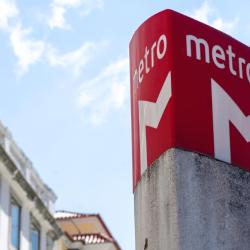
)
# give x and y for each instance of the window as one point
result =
(50, 242)
(15, 223)
(35, 236)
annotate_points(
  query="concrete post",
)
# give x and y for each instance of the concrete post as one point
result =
(187, 201)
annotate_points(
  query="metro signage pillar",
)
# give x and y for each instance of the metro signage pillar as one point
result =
(190, 105)
(190, 89)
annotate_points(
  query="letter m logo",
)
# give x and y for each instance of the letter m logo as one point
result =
(225, 110)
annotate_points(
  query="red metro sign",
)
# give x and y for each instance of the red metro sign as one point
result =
(190, 89)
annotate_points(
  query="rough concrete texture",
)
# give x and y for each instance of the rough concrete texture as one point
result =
(188, 201)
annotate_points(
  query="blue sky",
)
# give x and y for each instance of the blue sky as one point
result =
(65, 93)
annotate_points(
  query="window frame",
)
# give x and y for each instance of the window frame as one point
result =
(34, 224)
(14, 201)
(50, 237)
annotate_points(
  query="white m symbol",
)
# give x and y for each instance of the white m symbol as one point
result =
(225, 110)
(150, 115)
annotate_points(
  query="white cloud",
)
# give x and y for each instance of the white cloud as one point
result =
(59, 9)
(8, 11)
(57, 19)
(208, 15)
(201, 14)
(107, 92)
(227, 27)
(74, 60)
(26, 49)
(29, 50)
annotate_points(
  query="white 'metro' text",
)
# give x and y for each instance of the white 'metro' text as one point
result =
(157, 51)
(198, 48)
(238, 66)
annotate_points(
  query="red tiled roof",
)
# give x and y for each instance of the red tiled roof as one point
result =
(64, 215)
(96, 238)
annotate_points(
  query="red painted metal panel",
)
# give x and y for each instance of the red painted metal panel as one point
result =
(190, 89)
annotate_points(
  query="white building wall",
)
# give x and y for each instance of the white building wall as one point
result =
(25, 228)
(104, 246)
(4, 213)
(43, 238)
(8, 189)
(12, 184)
(25, 166)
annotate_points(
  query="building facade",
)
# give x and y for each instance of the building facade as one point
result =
(27, 217)
(26, 203)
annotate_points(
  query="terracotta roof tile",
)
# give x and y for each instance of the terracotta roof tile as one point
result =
(96, 238)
